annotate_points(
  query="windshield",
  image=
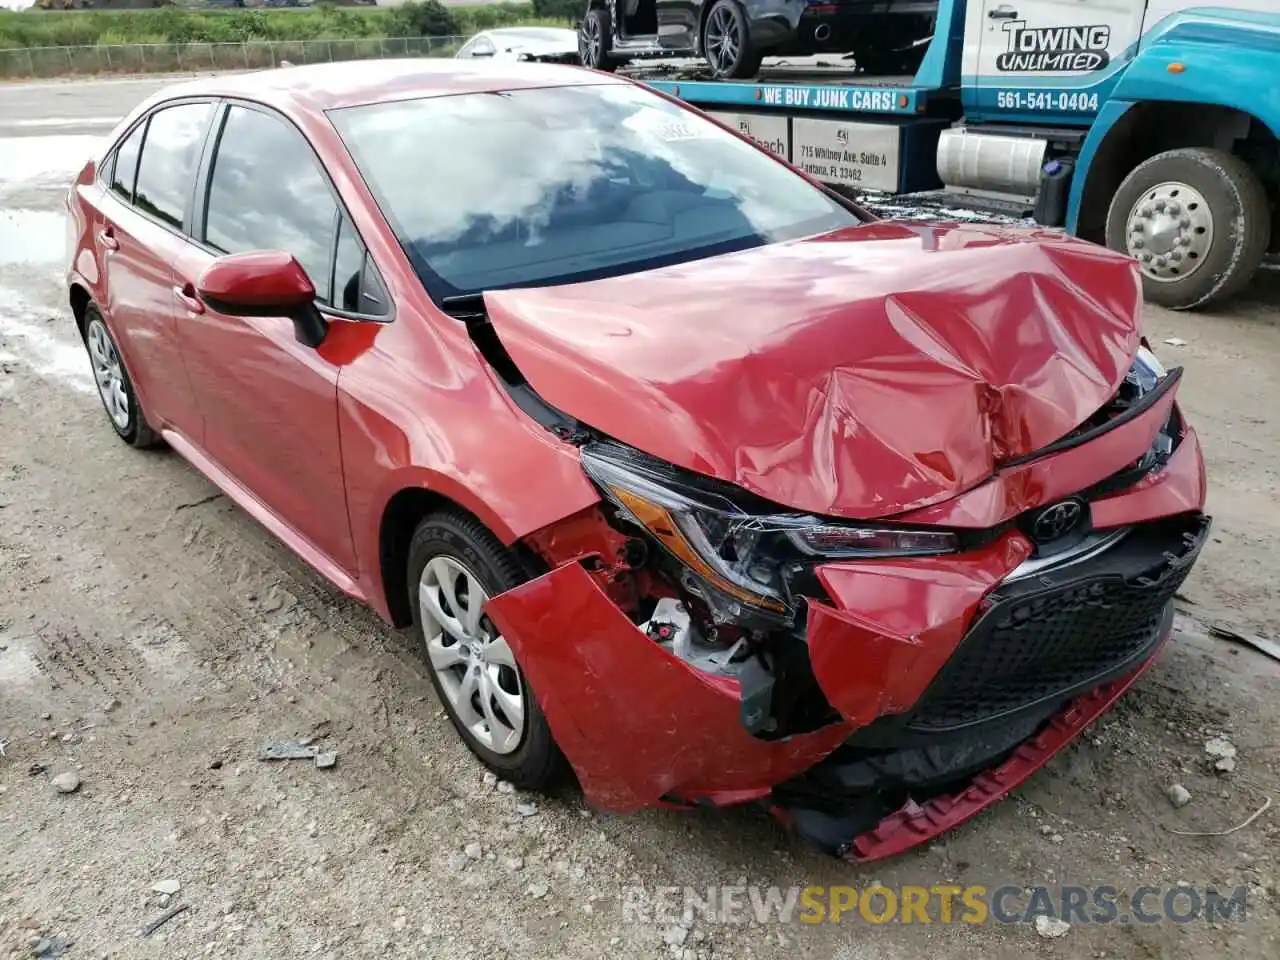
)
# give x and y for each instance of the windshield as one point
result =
(558, 184)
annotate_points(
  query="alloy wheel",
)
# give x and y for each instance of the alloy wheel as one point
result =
(590, 41)
(108, 373)
(723, 39)
(475, 666)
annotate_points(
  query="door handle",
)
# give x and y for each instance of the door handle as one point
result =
(107, 237)
(1002, 13)
(188, 297)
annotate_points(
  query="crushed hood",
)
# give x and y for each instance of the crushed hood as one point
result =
(860, 374)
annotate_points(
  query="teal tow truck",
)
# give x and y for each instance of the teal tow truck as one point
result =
(1147, 125)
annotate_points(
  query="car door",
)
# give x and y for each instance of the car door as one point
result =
(1047, 60)
(138, 233)
(269, 402)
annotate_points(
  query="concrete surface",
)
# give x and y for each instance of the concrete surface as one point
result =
(152, 636)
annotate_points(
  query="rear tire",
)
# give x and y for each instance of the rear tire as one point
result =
(115, 387)
(595, 41)
(726, 42)
(1219, 234)
(452, 554)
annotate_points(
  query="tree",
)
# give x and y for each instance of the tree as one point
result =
(571, 11)
(424, 18)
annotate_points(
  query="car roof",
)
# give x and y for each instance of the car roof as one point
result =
(332, 86)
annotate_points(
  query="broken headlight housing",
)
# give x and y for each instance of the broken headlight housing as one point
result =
(744, 557)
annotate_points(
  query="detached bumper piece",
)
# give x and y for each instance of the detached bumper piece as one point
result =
(1048, 653)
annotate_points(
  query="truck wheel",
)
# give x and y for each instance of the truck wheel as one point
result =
(726, 42)
(1198, 222)
(595, 41)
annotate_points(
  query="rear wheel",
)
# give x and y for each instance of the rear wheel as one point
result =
(595, 41)
(455, 567)
(1198, 222)
(726, 42)
(115, 389)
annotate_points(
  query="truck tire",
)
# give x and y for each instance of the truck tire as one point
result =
(726, 42)
(1198, 222)
(595, 41)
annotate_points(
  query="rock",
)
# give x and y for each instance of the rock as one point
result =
(473, 851)
(513, 863)
(167, 887)
(1178, 795)
(538, 890)
(676, 936)
(1225, 765)
(1220, 748)
(313, 830)
(68, 782)
(1051, 928)
(526, 809)
(46, 716)
(1056, 838)
(1046, 830)
(215, 765)
(504, 787)
(490, 778)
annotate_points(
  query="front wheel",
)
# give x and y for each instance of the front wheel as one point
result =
(726, 42)
(1198, 223)
(455, 567)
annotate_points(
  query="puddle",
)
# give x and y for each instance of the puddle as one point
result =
(32, 237)
(26, 336)
(42, 160)
(18, 664)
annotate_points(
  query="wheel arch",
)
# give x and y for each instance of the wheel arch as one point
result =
(1128, 133)
(401, 514)
(80, 299)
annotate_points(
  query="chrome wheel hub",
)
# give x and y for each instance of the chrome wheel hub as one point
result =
(473, 663)
(589, 43)
(1170, 231)
(108, 373)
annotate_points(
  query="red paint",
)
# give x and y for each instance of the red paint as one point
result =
(266, 278)
(896, 622)
(678, 732)
(877, 370)
(890, 370)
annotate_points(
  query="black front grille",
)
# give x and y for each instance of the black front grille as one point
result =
(1055, 634)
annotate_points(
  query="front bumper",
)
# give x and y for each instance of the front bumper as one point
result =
(948, 682)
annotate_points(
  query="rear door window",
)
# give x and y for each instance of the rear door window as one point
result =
(166, 172)
(124, 170)
(268, 192)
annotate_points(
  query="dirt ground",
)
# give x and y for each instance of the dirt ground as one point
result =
(152, 636)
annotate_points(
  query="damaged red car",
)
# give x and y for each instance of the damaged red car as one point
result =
(698, 482)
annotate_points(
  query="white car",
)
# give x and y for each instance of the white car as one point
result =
(554, 44)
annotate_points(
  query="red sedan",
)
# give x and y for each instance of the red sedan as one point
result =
(692, 477)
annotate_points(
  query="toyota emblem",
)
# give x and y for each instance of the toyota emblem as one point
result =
(1057, 520)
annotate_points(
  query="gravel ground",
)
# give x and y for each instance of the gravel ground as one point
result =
(152, 637)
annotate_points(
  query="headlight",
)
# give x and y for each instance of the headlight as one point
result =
(743, 555)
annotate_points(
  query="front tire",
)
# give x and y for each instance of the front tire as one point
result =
(726, 42)
(115, 388)
(455, 566)
(1198, 222)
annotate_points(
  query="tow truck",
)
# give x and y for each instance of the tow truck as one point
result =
(1149, 126)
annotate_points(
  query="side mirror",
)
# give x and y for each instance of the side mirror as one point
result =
(264, 283)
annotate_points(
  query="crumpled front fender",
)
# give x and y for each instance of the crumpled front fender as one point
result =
(637, 723)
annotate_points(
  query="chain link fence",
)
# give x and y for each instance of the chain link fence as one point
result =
(135, 58)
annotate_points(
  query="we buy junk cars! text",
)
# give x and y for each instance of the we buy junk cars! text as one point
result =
(691, 476)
